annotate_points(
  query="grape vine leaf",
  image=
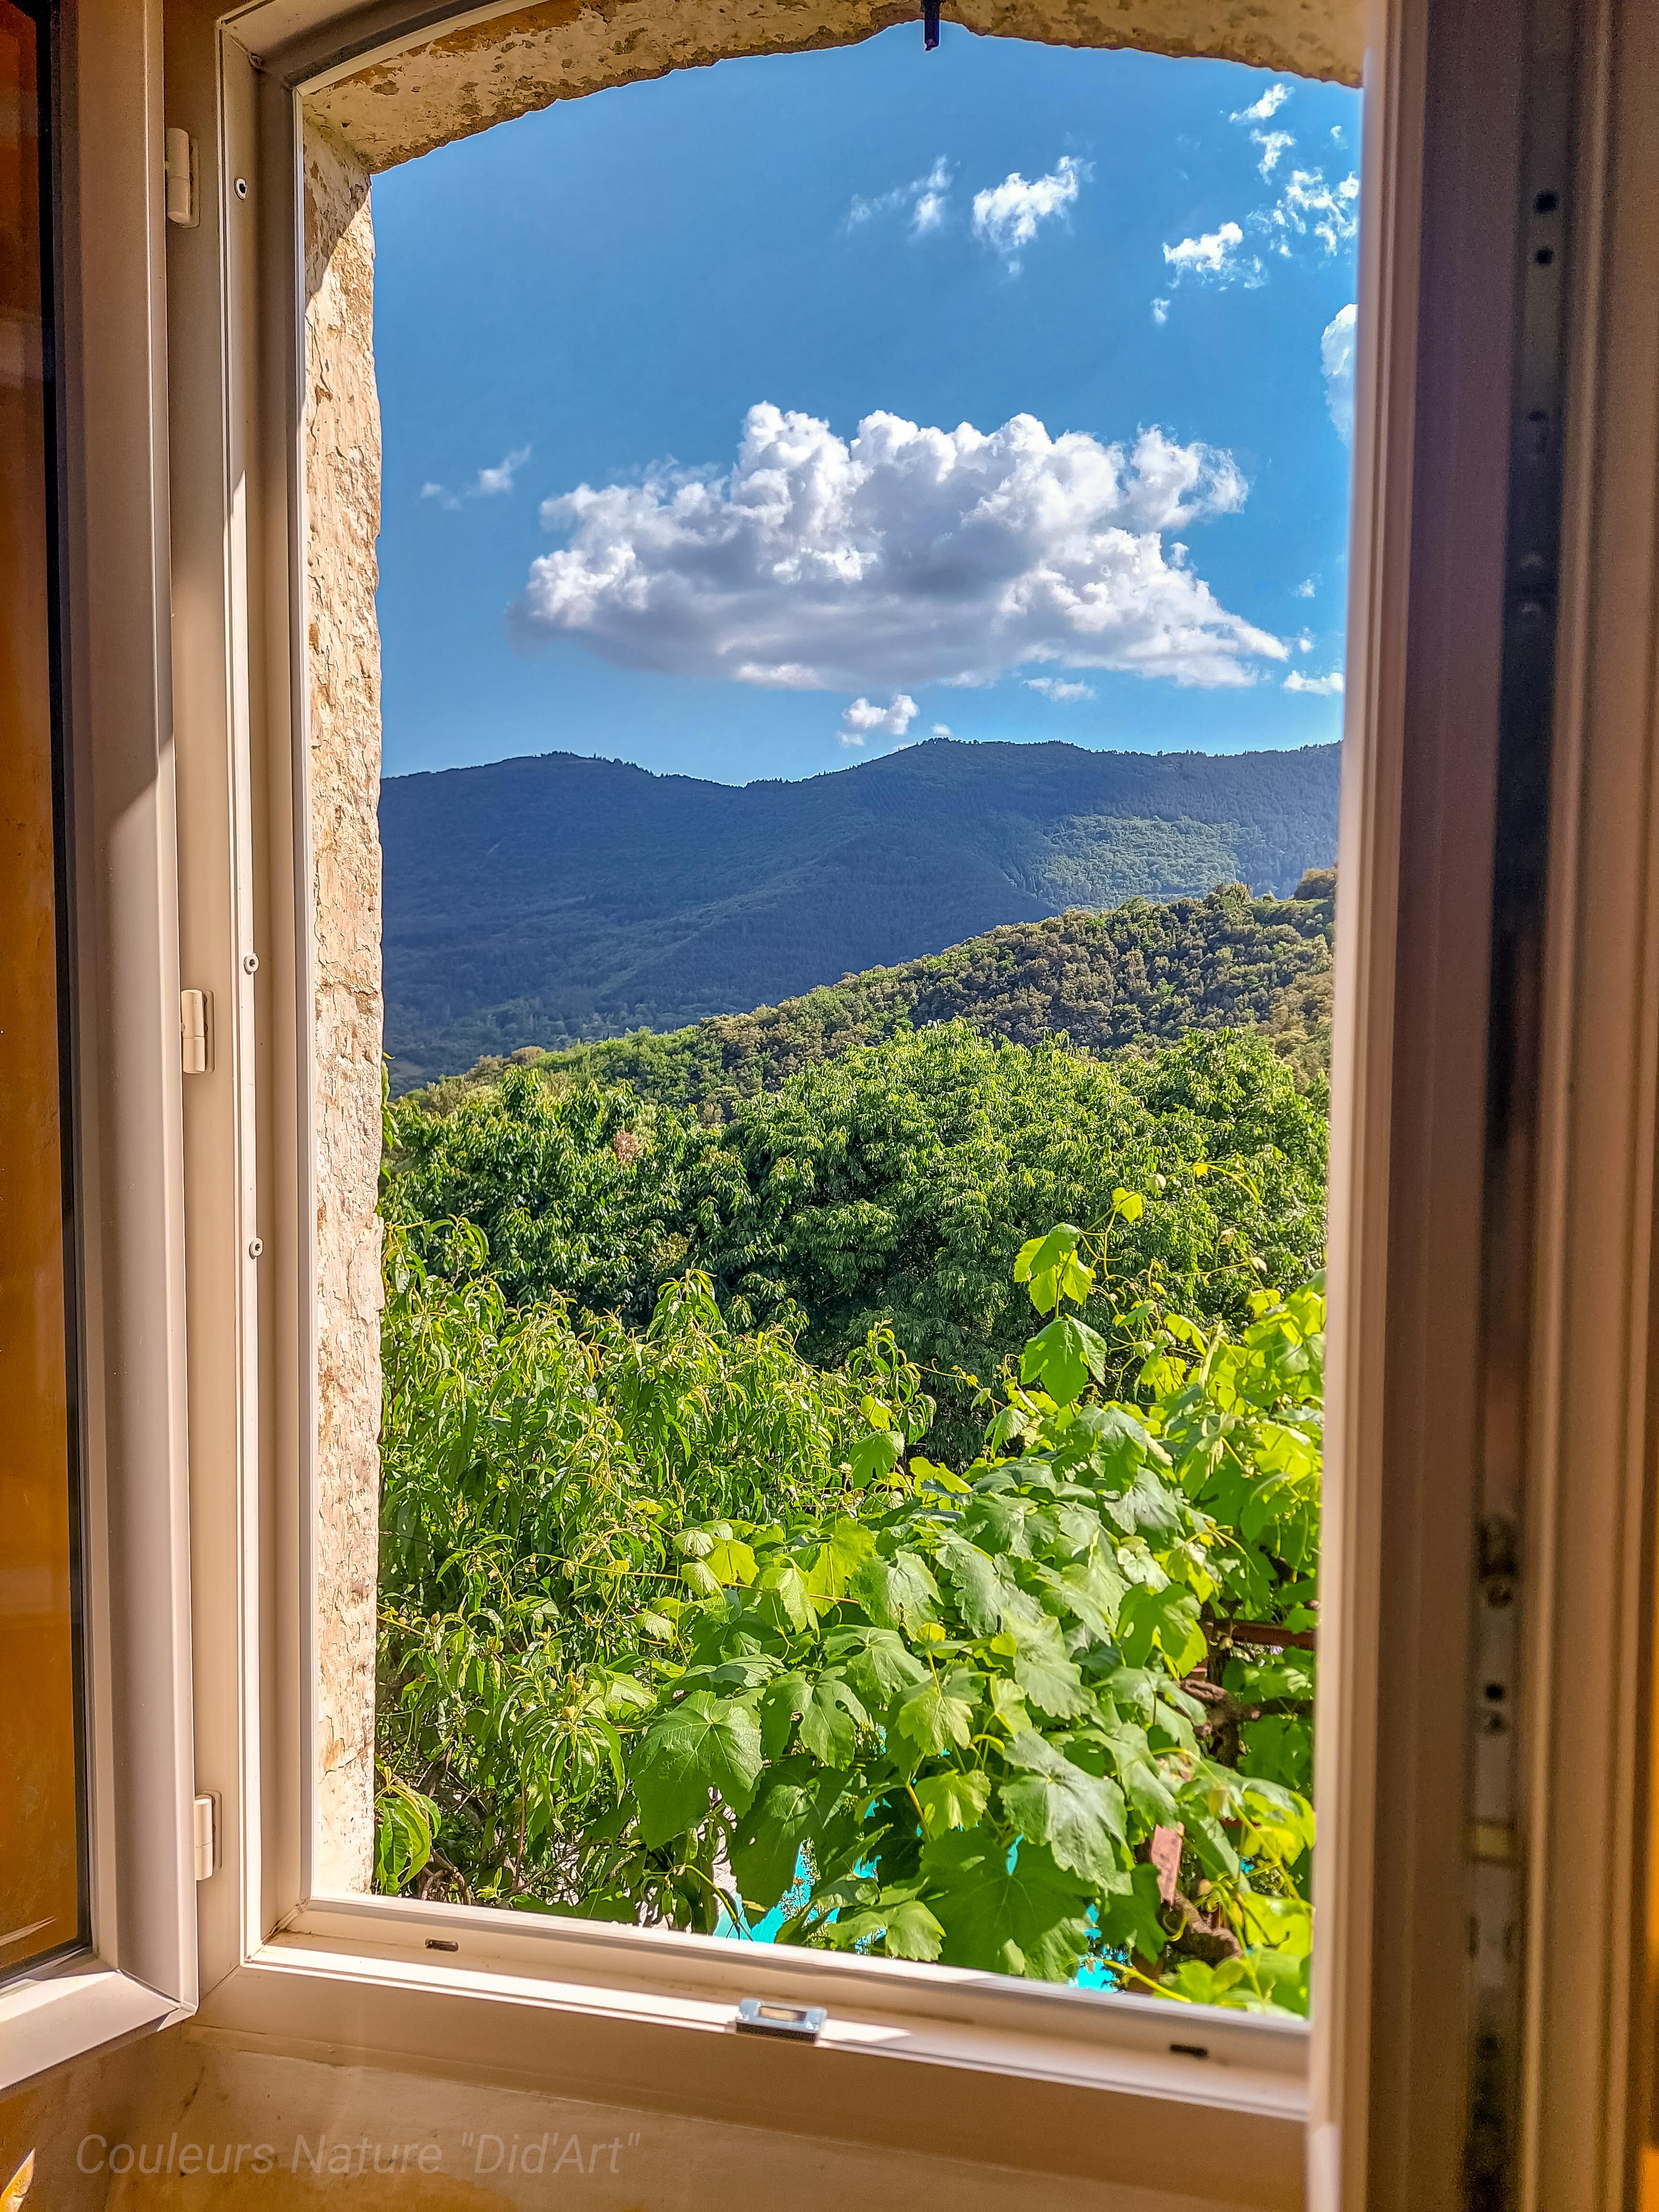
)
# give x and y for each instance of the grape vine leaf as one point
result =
(1028, 1918)
(1080, 1816)
(703, 1743)
(951, 1800)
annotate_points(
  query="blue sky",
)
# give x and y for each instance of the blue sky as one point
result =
(626, 347)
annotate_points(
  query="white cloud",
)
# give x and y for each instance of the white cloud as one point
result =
(1007, 215)
(923, 200)
(1325, 687)
(1160, 311)
(490, 483)
(1269, 104)
(1336, 361)
(928, 213)
(493, 482)
(1272, 145)
(1304, 590)
(907, 556)
(942, 730)
(1217, 258)
(864, 719)
(1305, 643)
(1307, 207)
(1308, 204)
(1053, 687)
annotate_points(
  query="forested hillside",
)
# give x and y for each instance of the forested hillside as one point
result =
(894, 1184)
(559, 901)
(883, 1522)
(1141, 975)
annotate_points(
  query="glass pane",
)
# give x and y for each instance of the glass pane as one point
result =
(41, 1898)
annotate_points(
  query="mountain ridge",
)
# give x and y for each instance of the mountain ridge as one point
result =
(557, 900)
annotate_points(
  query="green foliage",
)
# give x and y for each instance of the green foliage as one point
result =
(577, 1193)
(1142, 975)
(892, 1186)
(559, 901)
(679, 1628)
(529, 1475)
(890, 1189)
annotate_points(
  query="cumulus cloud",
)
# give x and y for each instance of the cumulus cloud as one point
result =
(905, 555)
(1160, 311)
(1336, 361)
(943, 730)
(1304, 590)
(490, 483)
(864, 719)
(1053, 687)
(1216, 258)
(922, 202)
(1007, 215)
(1269, 104)
(1324, 687)
(1272, 145)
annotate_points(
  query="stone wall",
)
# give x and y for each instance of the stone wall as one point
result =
(342, 691)
(490, 72)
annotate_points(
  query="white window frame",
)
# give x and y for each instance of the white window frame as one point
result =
(184, 481)
(140, 1971)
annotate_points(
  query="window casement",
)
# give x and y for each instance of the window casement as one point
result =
(1489, 1427)
(99, 1643)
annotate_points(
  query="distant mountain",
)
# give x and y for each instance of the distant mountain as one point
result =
(557, 901)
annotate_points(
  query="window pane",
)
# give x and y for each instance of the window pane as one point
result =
(41, 1902)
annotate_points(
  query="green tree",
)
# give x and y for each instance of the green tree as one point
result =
(892, 1186)
(576, 1192)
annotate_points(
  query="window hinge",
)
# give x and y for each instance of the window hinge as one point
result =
(205, 1835)
(760, 2016)
(196, 1031)
(184, 199)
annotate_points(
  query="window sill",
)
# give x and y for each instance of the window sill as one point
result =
(48, 2018)
(1043, 2079)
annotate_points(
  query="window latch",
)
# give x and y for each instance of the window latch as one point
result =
(795, 2023)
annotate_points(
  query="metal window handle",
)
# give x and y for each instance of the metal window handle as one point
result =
(762, 2016)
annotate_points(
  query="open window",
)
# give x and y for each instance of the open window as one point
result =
(1487, 1422)
(833, 1329)
(96, 1868)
